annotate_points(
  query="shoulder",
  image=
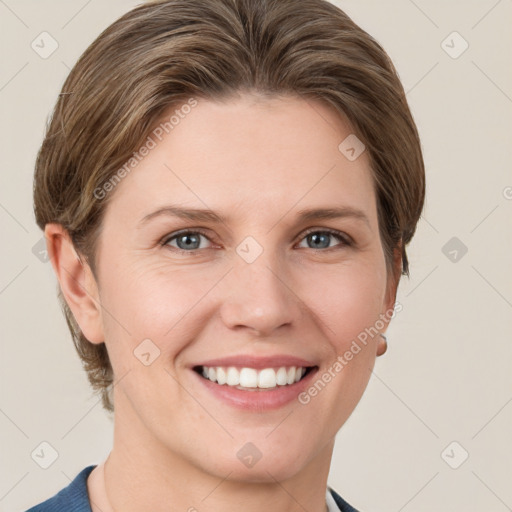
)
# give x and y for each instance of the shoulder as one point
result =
(341, 503)
(72, 497)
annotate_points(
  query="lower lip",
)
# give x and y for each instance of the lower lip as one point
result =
(259, 399)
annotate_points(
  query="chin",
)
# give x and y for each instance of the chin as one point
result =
(249, 464)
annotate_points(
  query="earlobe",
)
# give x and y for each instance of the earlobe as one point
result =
(76, 281)
(382, 345)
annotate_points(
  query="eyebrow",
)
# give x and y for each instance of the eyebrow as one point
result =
(206, 215)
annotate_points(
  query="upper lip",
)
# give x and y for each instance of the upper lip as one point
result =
(249, 361)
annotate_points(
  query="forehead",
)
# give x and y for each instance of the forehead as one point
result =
(251, 154)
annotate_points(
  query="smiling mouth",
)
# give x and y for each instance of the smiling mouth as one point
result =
(251, 379)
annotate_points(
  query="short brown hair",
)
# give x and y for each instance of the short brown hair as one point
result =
(164, 52)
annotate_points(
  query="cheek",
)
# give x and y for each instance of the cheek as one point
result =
(153, 303)
(348, 301)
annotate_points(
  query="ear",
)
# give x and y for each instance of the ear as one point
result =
(391, 290)
(76, 281)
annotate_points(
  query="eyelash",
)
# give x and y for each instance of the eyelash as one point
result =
(344, 239)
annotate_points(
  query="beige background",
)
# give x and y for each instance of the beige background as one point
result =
(447, 375)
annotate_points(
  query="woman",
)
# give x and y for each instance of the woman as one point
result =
(227, 189)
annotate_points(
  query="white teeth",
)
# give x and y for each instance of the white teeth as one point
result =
(281, 376)
(221, 376)
(267, 378)
(233, 377)
(252, 378)
(248, 378)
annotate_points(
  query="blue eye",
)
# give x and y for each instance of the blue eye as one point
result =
(190, 241)
(187, 241)
(321, 238)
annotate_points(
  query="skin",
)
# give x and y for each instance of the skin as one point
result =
(257, 161)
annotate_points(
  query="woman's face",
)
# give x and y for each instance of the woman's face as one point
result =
(266, 287)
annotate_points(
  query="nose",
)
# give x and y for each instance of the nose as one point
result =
(259, 297)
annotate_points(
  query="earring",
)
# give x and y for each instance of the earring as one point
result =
(385, 344)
